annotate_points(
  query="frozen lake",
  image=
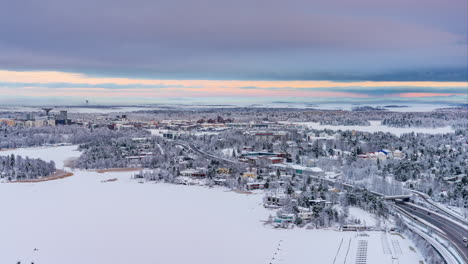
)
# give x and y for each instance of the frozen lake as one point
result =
(82, 219)
(376, 126)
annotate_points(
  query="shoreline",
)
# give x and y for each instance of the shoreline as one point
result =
(59, 174)
(7, 149)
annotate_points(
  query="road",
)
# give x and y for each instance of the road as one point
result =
(453, 231)
(202, 153)
(442, 209)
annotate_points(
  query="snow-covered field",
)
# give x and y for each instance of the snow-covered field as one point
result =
(82, 219)
(377, 126)
(366, 218)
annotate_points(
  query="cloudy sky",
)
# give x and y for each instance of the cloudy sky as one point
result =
(130, 50)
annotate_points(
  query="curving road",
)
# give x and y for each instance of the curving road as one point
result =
(454, 232)
(202, 153)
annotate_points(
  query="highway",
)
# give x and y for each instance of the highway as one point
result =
(442, 209)
(454, 232)
(202, 153)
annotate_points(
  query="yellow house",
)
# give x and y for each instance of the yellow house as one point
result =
(249, 174)
(7, 122)
(224, 171)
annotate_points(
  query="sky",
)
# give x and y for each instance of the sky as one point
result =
(143, 51)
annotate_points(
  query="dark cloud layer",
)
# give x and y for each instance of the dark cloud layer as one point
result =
(371, 91)
(243, 39)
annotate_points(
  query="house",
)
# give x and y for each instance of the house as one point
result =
(262, 160)
(304, 213)
(223, 171)
(372, 156)
(301, 170)
(168, 135)
(353, 228)
(255, 185)
(362, 156)
(275, 200)
(264, 136)
(397, 154)
(284, 218)
(8, 122)
(323, 136)
(338, 152)
(387, 152)
(220, 181)
(381, 155)
(275, 160)
(321, 202)
(250, 174)
(123, 126)
(134, 158)
(194, 173)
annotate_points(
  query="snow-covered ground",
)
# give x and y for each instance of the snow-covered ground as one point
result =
(366, 218)
(82, 219)
(377, 126)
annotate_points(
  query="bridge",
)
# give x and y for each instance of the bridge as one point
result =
(193, 148)
(399, 197)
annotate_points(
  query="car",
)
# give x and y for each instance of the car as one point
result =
(465, 239)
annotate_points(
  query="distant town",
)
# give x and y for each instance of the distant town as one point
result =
(311, 166)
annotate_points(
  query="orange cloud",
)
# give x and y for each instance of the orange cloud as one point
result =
(63, 77)
(198, 88)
